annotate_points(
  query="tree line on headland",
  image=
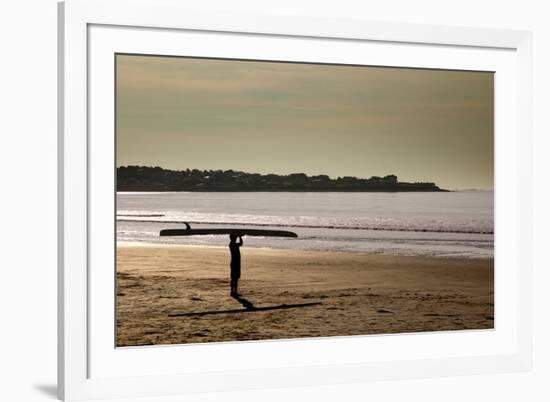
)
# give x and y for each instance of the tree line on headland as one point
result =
(144, 178)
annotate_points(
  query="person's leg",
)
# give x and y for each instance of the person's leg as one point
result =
(237, 275)
(232, 275)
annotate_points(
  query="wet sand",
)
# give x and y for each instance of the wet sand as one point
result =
(180, 294)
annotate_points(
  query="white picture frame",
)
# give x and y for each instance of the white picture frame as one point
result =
(86, 26)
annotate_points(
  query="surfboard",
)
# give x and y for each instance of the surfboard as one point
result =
(226, 231)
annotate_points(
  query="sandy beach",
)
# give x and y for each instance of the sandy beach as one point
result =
(180, 294)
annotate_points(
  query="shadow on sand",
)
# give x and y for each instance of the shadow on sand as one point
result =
(248, 308)
(247, 304)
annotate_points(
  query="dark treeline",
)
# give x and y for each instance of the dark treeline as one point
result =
(142, 178)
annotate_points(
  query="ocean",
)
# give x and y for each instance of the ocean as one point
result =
(447, 224)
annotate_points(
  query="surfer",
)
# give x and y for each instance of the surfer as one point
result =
(234, 247)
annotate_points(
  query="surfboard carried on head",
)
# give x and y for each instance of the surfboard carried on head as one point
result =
(226, 231)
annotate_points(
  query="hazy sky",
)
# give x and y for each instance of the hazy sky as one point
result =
(265, 117)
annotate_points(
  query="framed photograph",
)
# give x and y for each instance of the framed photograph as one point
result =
(254, 201)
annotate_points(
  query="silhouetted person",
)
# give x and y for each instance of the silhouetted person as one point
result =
(234, 247)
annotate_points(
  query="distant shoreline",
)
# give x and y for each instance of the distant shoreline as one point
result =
(157, 179)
